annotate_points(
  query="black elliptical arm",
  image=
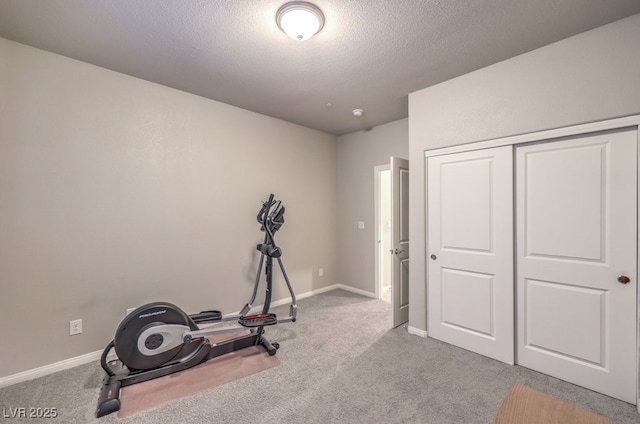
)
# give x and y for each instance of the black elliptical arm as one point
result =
(271, 218)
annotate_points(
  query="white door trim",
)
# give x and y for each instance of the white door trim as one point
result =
(377, 170)
(638, 293)
(616, 123)
(629, 121)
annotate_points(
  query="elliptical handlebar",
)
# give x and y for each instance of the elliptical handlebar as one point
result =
(271, 216)
(264, 210)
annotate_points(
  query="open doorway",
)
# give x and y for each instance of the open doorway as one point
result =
(383, 232)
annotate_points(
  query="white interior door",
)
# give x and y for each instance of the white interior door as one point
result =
(470, 249)
(576, 234)
(400, 240)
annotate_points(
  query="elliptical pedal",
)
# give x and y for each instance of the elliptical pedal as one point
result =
(258, 320)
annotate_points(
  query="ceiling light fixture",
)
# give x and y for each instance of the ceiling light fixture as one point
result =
(300, 20)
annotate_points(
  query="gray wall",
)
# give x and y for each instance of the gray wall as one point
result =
(115, 192)
(589, 77)
(358, 154)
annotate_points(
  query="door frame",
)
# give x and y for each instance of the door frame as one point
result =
(573, 130)
(377, 248)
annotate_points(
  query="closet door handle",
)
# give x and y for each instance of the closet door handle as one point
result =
(624, 279)
(433, 257)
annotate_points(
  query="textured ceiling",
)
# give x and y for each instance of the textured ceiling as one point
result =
(369, 55)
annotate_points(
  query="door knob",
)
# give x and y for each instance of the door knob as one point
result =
(624, 279)
(433, 257)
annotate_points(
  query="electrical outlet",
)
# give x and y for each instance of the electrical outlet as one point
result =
(321, 272)
(75, 327)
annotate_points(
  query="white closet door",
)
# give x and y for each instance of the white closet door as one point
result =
(470, 251)
(576, 238)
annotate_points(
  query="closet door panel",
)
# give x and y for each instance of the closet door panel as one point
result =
(470, 251)
(576, 234)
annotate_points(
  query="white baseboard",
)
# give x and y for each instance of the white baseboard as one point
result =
(417, 332)
(351, 289)
(304, 295)
(320, 291)
(356, 291)
(95, 356)
(50, 369)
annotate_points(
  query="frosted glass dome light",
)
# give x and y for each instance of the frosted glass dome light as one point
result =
(300, 20)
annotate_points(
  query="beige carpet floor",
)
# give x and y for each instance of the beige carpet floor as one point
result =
(340, 363)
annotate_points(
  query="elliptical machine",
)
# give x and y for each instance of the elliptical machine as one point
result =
(159, 339)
